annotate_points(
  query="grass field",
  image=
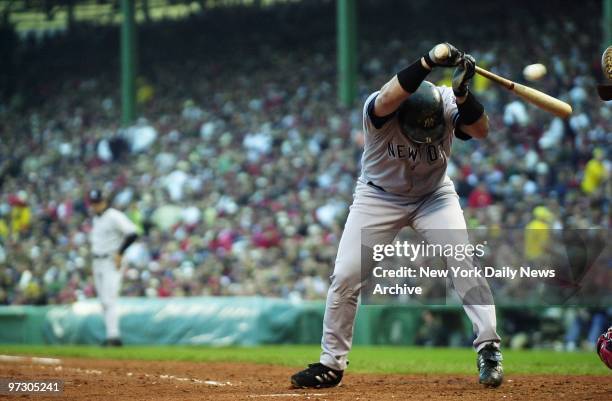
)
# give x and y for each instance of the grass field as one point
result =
(363, 359)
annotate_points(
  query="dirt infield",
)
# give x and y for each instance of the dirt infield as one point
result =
(89, 379)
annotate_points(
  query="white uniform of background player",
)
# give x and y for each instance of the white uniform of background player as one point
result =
(111, 233)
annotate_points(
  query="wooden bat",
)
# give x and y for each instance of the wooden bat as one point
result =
(533, 96)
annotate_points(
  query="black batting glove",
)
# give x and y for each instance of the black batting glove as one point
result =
(463, 75)
(451, 58)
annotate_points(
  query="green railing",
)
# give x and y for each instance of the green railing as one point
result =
(222, 321)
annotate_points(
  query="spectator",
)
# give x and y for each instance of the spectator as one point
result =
(537, 234)
(594, 174)
(480, 197)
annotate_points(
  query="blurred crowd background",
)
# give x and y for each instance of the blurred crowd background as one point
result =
(240, 169)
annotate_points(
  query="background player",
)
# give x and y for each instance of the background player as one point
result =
(409, 127)
(111, 234)
(604, 347)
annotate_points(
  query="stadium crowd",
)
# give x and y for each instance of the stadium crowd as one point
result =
(240, 170)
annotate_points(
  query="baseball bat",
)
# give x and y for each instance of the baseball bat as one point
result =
(533, 96)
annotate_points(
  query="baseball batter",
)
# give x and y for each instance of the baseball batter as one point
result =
(409, 126)
(111, 234)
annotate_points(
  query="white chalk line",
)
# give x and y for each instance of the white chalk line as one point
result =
(27, 359)
(188, 379)
(78, 370)
(54, 361)
(150, 376)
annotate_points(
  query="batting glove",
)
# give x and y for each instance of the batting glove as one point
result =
(463, 75)
(450, 58)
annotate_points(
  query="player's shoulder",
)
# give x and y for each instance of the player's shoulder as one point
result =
(446, 93)
(449, 104)
(113, 213)
(372, 123)
(449, 101)
(369, 99)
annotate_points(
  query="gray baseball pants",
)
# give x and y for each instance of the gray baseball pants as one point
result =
(372, 209)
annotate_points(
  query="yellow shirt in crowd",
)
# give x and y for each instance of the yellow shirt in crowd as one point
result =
(537, 237)
(594, 174)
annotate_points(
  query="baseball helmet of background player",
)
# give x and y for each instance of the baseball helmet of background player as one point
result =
(421, 116)
(605, 89)
(95, 196)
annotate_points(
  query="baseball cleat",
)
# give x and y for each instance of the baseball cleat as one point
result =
(317, 375)
(491, 372)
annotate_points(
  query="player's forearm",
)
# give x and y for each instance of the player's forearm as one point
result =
(472, 118)
(478, 130)
(129, 240)
(391, 95)
(405, 82)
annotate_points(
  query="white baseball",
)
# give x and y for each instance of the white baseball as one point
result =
(534, 72)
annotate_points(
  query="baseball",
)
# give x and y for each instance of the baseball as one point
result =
(534, 72)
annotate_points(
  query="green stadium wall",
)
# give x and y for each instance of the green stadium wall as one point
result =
(216, 321)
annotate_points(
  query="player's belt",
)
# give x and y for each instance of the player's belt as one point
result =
(370, 183)
(101, 256)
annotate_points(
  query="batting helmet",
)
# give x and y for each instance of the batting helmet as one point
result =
(421, 116)
(96, 196)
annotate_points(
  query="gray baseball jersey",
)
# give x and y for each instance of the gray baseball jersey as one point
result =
(399, 166)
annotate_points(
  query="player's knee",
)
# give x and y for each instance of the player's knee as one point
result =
(106, 304)
(346, 284)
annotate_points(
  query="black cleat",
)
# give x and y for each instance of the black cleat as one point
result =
(317, 375)
(490, 366)
(112, 342)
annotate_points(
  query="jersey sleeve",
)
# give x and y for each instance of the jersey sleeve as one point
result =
(451, 113)
(372, 123)
(123, 224)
